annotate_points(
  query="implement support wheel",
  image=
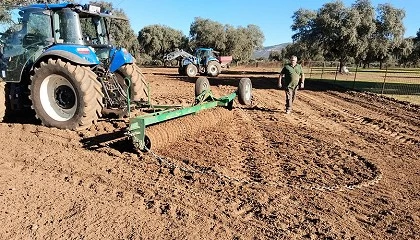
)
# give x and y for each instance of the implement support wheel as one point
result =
(245, 91)
(201, 84)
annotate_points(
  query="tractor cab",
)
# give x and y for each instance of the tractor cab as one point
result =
(33, 29)
(204, 56)
(25, 34)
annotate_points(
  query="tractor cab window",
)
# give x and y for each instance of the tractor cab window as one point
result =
(202, 56)
(212, 54)
(38, 28)
(29, 28)
(67, 27)
(93, 29)
(201, 53)
(11, 35)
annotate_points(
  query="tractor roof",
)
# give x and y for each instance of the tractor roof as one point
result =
(85, 9)
(55, 6)
(204, 48)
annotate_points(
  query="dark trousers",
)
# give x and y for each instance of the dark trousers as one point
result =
(290, 97)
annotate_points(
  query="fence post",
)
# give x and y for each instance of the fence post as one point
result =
(355, 73)
(310, 67)
(336, 73)
(383, 84)
(323, 66)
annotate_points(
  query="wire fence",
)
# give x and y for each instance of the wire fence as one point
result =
(399, 83)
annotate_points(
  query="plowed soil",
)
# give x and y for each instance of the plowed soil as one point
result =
(343, 165)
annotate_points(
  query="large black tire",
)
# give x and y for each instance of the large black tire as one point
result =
(191, 70)
(2, 100)
(182, 71)
(138, 86)
(245, 91)
(213, 69)
(201, 84)
(66, 96)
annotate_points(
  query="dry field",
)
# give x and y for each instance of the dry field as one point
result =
(343, 165)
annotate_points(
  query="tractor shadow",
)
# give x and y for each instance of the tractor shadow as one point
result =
(25, 116)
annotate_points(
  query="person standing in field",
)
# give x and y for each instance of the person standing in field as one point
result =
(291, 78)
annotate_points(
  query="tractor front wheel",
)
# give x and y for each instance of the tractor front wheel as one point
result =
(65, 96)
(130, 76)
(191, 70)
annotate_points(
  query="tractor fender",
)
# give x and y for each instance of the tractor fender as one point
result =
(119, 57)
(82, 55)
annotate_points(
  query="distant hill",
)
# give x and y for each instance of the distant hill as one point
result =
(265, 52)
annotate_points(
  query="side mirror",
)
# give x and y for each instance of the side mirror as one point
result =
(49, 41)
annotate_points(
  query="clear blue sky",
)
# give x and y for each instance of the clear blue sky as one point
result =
(274, 17)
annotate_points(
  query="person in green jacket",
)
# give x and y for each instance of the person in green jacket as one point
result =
(291, 78)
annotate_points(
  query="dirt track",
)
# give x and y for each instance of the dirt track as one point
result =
(344, 165)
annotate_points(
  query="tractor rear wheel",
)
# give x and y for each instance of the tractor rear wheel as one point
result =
(191, 70)
(202, 84)
(213, 69)
(245, 91)
(138, 86)
(2, 100)
(66, 96)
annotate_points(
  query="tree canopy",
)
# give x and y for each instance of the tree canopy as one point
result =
(208, 33)
(239, 42)
(358, 32)
(158, 40)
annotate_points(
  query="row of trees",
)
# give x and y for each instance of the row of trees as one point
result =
(359, 33)
(158, 40)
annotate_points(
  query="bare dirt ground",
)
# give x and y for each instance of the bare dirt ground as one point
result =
(343, 165)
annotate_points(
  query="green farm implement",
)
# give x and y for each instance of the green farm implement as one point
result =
(145, 140)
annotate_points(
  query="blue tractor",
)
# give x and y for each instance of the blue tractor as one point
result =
(58, 60)
(205, 61)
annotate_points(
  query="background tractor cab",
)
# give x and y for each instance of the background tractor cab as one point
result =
(204, 56)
